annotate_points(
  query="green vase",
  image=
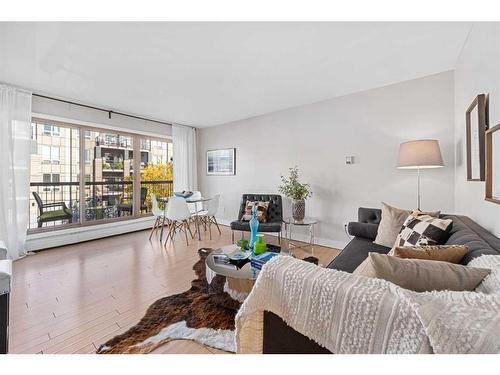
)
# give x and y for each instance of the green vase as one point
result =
(260, 246)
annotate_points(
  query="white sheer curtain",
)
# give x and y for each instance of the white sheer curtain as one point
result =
(185, 171)
(15, 127)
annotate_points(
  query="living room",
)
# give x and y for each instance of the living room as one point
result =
(249, 187)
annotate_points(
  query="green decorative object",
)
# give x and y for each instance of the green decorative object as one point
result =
(243, 244)
(260, 246)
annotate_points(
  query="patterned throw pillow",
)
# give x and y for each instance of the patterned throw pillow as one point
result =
(423, 230)
(261, 211)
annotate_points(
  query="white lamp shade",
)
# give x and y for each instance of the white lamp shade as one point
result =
(424, 153)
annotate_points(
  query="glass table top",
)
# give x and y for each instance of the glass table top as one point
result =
(305, 221)
(229, 269)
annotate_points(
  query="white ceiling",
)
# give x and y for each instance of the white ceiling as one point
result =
(205, 74)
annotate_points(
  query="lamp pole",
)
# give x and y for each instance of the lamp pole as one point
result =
(418, 188)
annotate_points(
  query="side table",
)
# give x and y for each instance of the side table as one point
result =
(306, 222)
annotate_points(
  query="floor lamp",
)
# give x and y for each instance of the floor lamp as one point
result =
(420, 154)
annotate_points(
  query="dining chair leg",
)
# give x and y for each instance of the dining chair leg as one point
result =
(216, 224)
(186, 227)
(154, 227)
(191, 233)
(170, 232)
(232, 236)
(210, 229)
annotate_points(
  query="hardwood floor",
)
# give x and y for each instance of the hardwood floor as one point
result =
(74, 298)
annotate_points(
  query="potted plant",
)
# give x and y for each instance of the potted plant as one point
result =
(298, 192)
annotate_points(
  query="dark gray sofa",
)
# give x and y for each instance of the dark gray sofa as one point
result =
(280, 338)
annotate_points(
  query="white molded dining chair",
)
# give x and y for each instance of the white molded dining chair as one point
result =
(208, 216)
(158, 213)
(195, 207)
(178, 216)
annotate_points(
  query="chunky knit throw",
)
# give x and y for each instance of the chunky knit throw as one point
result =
(347, 313)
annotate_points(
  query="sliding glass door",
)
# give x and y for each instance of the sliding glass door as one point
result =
(83, 176)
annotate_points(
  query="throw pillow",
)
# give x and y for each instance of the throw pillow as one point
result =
(390, 224)
(422, 230)
(261, 211)
(444, 253)
(424, 275)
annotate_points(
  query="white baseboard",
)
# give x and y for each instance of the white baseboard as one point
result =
(337, 244)
(45, 240)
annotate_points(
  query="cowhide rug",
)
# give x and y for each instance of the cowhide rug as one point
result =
(204, 313)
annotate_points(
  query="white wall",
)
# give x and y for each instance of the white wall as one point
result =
(369, 126)
(477, 72)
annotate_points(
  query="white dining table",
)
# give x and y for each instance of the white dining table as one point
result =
(196, 212)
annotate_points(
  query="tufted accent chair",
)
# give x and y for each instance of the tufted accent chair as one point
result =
(274, 214)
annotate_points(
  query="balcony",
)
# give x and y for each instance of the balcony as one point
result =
(55, 205)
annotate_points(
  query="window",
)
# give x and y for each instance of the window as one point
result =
(87, 156)
(51, 130)
(51, 179)
(110, 168)
(50, 154)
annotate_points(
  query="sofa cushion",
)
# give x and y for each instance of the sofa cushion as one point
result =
(263, 227)
(468, 233)
(424, 275)
(261, 213)
(423, 229)
(443, 253)
(390, 225)
(355, 253)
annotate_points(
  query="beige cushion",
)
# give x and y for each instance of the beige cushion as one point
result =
(424, 275)
(443, 253)
(390, 224)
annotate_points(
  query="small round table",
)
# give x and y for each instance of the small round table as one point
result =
(239, 281)
(306, 222)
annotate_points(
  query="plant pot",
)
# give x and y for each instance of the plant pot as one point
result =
(298, 209)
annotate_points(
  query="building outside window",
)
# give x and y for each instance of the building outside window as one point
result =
(108, 169)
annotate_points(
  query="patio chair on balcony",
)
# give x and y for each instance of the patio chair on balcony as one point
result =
(127, 207)
(52, 211)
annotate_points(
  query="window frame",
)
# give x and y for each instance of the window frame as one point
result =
(136, 165)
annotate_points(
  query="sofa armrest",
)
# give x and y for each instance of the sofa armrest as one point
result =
(5, 276)
(369, 215)
(365, 230)
(3, 250)
(5, 285)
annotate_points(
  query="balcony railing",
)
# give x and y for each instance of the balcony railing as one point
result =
(58, 203)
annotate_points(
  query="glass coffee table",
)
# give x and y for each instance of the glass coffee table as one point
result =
(239, 279)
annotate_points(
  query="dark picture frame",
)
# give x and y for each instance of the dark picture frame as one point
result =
(221, 162)
(491, 164)
(476, 119)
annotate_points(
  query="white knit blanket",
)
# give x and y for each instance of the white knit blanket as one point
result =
(346, 313)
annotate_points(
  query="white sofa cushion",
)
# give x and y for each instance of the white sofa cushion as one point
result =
(5, 276)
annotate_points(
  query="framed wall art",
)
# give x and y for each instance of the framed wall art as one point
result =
(221, 162)
(476, 126)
